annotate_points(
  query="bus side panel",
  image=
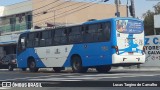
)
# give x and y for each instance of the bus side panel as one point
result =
(25, 55)
(53, 56)
(92, 54)
(22, 60)
(33, 53)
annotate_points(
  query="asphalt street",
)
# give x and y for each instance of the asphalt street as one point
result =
(82, 78)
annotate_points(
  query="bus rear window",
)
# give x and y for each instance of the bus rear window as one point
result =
(129, 26)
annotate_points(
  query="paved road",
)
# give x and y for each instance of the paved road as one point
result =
(113, 75)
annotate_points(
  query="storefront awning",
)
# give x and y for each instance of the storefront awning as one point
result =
(8, 43)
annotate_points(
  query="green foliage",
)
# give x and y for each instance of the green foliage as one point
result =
(157, 8)
(149, 19)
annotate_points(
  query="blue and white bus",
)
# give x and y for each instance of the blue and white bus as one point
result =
(96, 44)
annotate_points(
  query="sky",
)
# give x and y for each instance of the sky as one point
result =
(141, 6)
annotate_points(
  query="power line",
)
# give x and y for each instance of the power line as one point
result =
(37, 14)
(46, 5)
(32, 3)
(58, 5)
(92, 3)
(60, 13)
(77, 10)
(63, 13)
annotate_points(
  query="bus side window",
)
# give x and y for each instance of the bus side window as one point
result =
(30, 41)
(42, 40)
(57, 36)
(100, 34)
(107, 30)
(36, 39)
(60, 37)
(93, 30)
(64, 36)
(74, 35)
(70, 35)
(48, 38)
(45, 38)
(82, 33)
(78, 34)
(87, 35)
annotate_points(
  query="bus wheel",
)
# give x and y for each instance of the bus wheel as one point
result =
(32, 66)
(57, 69)
(77, 65)
(24, 69)
(103, 69)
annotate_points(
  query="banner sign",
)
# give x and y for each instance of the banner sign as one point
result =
(152, 44)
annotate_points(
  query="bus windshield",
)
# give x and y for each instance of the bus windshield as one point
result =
(129, 26)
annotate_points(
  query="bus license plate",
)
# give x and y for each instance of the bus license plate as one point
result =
(130, 53)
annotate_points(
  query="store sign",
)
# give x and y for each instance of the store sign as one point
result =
(7, 39)
(152, 44)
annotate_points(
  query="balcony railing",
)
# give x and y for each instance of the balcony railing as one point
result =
(15, 27)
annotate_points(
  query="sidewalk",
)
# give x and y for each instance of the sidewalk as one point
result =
(134, 68)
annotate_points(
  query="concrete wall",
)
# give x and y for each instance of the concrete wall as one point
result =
(152, 50)
(65, 15)
(156, 21)
(15, 8)
(1, 10)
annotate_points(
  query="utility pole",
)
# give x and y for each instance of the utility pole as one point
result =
(117, 8)
(133, 8)
(127, 8)
(54, 18)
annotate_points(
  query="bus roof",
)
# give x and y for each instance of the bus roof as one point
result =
(109, 19)
(85, 23)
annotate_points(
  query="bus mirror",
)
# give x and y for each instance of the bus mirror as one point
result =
(22, 40)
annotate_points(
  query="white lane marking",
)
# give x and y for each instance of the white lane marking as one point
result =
(54, 79)
(71, 80)
(90, 77)
(66, 76)
(122, 74)
(44, 76)
(97, 78)
(61, 79)
(5, 88)
(32, 77)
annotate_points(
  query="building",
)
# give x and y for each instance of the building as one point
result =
(31, 14)
(157, 24)
(13, 19)
(64, 13)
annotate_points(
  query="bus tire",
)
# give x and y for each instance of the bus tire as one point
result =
(57, 69)
(23, 69)
(103, 69)
(32, 66)
(77, 65)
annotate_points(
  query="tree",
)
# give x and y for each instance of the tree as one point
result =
(149, 19)
(157, 8)
(149, 22)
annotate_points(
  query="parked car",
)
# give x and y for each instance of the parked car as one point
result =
(8, 61)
